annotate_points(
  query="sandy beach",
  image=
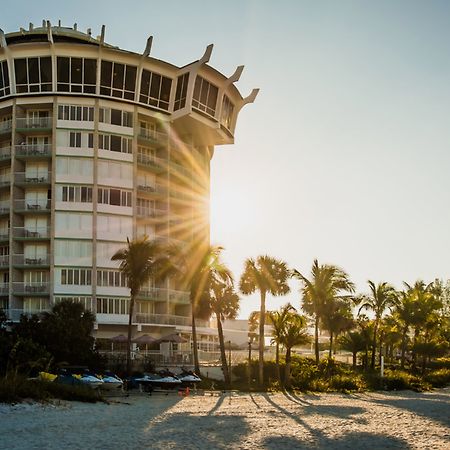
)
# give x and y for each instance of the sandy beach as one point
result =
(238, 421)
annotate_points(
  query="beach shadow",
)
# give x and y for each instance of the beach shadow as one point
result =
(356, 440)
(292, 396)
(217, 405)
(253, 400)
(189, 431)
(431, 408)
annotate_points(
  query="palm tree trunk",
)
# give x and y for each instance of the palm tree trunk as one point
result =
(414, 354)
(404, 335)
(223, 356)
(194, 344)
(277, 361)
(262, 317)
(130, 321)
(380, 345)
(354, 359)
(330, 353)
(374, 345)
(316, 338)
(287, 369)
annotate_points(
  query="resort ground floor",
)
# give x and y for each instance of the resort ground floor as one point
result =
(235, 421)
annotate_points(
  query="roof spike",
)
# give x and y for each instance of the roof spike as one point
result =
(75, 26)
(59, 23)
(207, 55)
(49, 31)
(30, 26)
(3, 42)
(43, 23)
(236, 75)
(250, 98)
(102, 35)
(148, 46)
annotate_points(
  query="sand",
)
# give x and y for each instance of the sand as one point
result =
(238, 421)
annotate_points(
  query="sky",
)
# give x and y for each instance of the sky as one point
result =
(345, 154)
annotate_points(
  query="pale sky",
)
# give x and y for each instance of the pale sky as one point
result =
(344, 156)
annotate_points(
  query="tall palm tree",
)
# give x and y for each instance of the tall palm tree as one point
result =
(140, 261)
(325, 284)
(294, 334)
(278, 320)
(224, 303)
(202, 265)
(382, 297)
(268, 276)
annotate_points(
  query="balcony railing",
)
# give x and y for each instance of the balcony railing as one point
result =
(5, 126)
(4, 260)
(5, 180)
(153, 136)
(150, 161)
(4, 235)
(32, 233)
(28, 179)
(143, 211)
(32, 122)
(14, 314)
(4, 288)
(32, 205)
(153, 293)
(167, 319)
(5, 153)
(22, 260)
(33, 150)
(179, 296)
(31, 288)
(152, 188)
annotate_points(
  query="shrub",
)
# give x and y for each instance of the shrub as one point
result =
(398, 380)
(439, 378)
(440, 363)
(345, 383)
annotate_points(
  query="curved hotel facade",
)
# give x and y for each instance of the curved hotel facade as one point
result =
(98, 144)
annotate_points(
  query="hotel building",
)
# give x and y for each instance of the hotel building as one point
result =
(98, 144)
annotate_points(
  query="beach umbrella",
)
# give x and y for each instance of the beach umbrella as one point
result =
(144, 339)
(119, 338)
(174, 338)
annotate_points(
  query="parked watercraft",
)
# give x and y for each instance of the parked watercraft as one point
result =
(188, 378)
(162, 380)
(110, 381)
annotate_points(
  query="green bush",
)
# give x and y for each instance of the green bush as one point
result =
(440, 363)
(14, 388)
(438, 378)
(398, 380)
(345, 383)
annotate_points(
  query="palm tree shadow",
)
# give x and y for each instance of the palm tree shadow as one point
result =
(295, 398)
(217, 405)
(253, 400)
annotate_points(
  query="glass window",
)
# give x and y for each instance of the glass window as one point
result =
(205, 96)
(118, 80)
(181, 92)
(76, 74)
(4, 79)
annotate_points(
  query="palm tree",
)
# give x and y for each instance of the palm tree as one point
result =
(337, 318)
(140, 261)
(224, 302)
(354, 342)
(202, 265)
(326, 283)
(278, 321)
(381, 297)
(293, 334)
(266, 275)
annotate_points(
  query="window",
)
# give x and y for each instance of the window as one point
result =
(118, 80)
(73, 248)
(180, 95)
(81, 277)
(4, 79)
(76, 74)
(81, 194)
(87, 302)
(155, 90)
(111, 278)
(205, 96)
(75, 112)
(227, 112)
(75, 139)
(115, 197)
(112, 305)
(33, 74)
(116, 117)
(115, 143)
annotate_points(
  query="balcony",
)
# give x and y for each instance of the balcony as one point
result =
(156, 165)
(31, 261)
(179, 297)
(5, 126)
(4, 235)
(5, 181)
(33, 151)
(152, 189)
(4, 289)
(158, 294)
(5, 153)
(31, 234)
(154, 138)
(31, 288)
(163, 319)
(32, 206)
(143, 211)
(4, 261)
(34, 123)
(14, 314)
(27, 179)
